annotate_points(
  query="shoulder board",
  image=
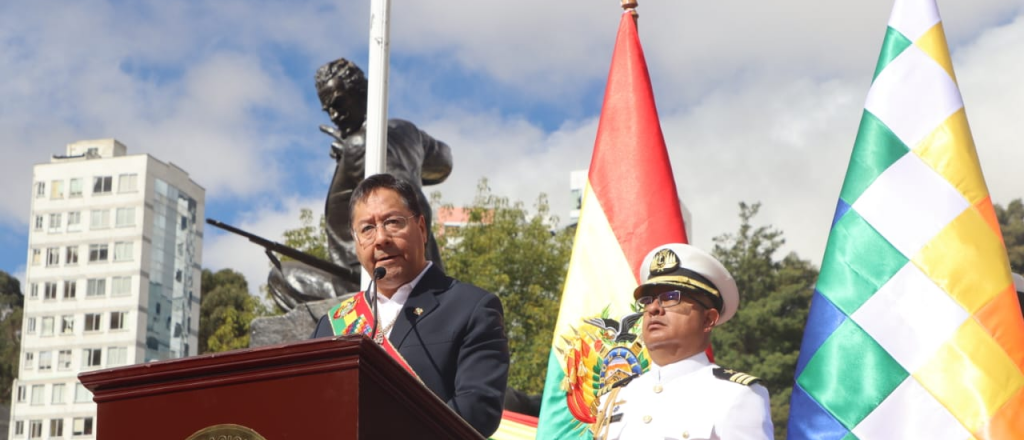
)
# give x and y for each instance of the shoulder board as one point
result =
(735, 376)
(623, 382)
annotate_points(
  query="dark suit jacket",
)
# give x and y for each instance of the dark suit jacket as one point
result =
(457, 346)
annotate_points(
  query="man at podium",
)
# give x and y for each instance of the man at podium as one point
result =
(449, 334)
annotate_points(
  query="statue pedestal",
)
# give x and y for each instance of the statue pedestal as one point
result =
(296, 325)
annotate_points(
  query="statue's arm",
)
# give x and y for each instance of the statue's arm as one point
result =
(437, 159)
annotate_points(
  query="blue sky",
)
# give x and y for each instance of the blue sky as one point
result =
(759, 101)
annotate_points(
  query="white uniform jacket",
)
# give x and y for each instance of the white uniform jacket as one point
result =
(686, 401)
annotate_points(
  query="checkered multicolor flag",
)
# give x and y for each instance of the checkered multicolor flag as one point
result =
(914, 331)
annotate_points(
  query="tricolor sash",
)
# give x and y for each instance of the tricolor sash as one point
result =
(354, 317)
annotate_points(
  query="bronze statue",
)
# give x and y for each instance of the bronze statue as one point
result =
(412, 155)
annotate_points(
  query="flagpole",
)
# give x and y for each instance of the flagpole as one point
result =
(630, 5)
(377, 92)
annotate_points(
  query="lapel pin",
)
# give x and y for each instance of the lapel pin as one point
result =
(418, 311)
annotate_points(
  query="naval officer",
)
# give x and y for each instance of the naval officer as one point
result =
(685, 293)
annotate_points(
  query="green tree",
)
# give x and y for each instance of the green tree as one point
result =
(310, 238)
(11, 301)
(225, 311)
(520, 257)
(1011, 221)
(763, 338)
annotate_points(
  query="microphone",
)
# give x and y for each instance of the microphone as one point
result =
(378, 273)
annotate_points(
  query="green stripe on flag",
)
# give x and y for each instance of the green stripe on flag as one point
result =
(875, 149)
(895, 43)
(851, 374)
(850, 436)
(857, 262)
(558, 422)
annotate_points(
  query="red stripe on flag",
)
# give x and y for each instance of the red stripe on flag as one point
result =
(630, 172)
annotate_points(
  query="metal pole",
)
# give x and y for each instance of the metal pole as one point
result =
(377, 93)
(630, 5)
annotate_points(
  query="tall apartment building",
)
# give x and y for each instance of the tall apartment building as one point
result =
(113, 278)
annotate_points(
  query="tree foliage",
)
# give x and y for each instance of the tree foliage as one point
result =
(11, 301)
(1011, 221)
(225, 311)
(520, 257)
(763, 338)
(311, 237)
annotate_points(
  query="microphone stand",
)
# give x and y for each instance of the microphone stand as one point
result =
(378, 273)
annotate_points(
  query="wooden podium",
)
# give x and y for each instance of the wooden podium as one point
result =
(330, 388)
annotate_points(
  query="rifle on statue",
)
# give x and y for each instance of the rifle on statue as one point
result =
(310, 260)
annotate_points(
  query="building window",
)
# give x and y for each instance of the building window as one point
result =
(92, 357)
(64, 360)
(30, 325)
(52, 257)
(117, 320)
(39, 223)
(92, 322)
(30, 360)
(70, 288)
(102, 184)
(37, 256)
(55, 222)
(22, 394)
(82, 426)
(56, 427)
(19, 428)
(67, 325)
(71, 255)
(57, 396)
(74, 221)
(96, 287)
(124, 217)
(117, 356)
(40, 190)
(97, 252)
(120, 286)
(35, 429)
(123, 251)
(75, 187)
(33, 290)
(127, 183)
(47, 326)
(56, 189)
(38, 391)
(82, 394)
(99, 219)
(45, 361)
(50, 291)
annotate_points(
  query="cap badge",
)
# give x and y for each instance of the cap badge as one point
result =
(664, 261)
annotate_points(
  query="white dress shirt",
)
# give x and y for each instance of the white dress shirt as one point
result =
(389, 308)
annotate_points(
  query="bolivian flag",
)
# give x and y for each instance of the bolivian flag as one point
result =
(630, 206)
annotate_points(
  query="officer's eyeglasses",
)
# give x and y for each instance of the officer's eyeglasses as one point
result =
(666, 299)
(367, 233)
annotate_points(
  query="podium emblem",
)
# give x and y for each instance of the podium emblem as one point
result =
(226, 431)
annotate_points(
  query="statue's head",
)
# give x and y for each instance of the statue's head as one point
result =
(341, 87)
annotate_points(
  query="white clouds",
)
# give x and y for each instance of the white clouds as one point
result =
(989, 73)
(759, 103)
(223, 250)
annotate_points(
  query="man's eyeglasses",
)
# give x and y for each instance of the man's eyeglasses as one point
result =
(392, 225)
(667, 299)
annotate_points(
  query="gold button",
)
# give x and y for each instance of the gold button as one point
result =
(658, 388)
(686, 434)
(647, 419)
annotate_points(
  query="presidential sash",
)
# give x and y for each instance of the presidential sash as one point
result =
(354, 317)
